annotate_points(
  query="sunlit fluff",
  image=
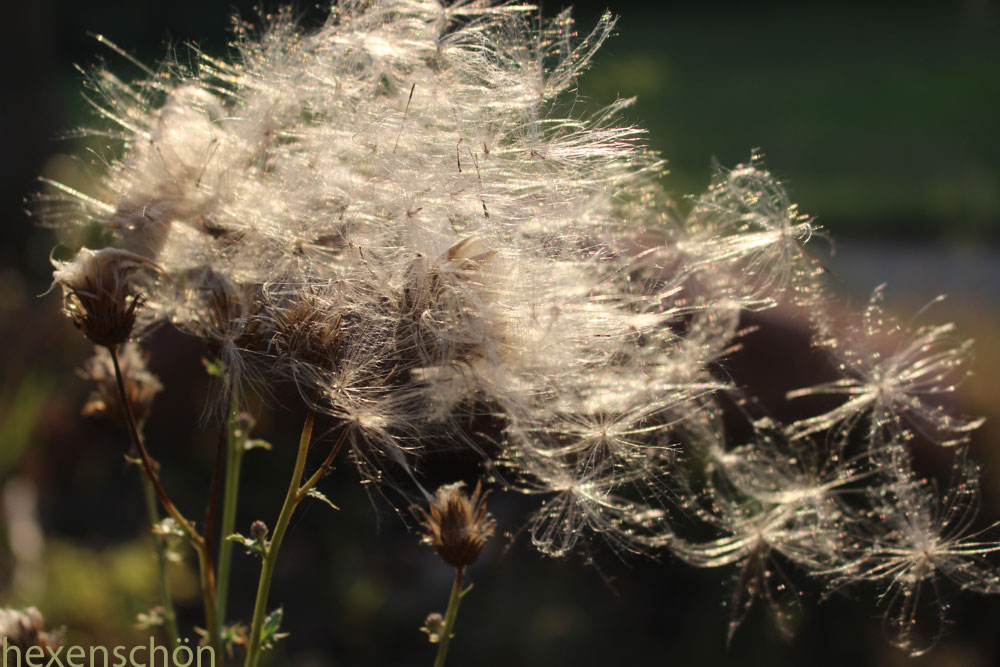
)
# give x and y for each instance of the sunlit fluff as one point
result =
(894, 377)
(923, 536)
(396, 215)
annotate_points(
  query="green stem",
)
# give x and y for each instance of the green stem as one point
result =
(292, 499)
(324, 467)
(234, 457)
(449, 618)
(169, 617)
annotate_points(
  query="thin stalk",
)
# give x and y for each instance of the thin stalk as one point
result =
(206, 573)
(206, 578)
(234, 457)
(147, 462)
(169, 616)
(324, 467)
(449, 617)
(212, 506)
(292, 499)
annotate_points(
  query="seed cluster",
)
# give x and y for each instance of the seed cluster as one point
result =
(395, 213)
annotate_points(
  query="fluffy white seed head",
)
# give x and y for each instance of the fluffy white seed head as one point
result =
(398, 213)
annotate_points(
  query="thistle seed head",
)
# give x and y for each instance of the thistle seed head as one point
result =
(397, 213)
(444, 304)
(221, 311)
(98, 294)
(457, 525)
(309, 327)
(141, 386)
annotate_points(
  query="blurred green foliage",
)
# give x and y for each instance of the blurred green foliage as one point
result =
(881, 118)
(22, 401)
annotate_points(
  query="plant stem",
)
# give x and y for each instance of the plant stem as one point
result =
(292, 499)
(324, 467)
(206, 577)
(206, 573)
(169, 617)
(449, 618)
(234, 457)
(147, 462)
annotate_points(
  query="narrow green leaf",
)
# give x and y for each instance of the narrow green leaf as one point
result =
(253, 547)
(269, 634)
(318, 495)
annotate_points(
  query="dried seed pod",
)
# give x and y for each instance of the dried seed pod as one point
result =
(457, 525)
(141, 386)
(98, 294)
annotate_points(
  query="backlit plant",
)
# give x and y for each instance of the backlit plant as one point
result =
(398, 214)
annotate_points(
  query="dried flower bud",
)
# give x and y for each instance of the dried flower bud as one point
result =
(141, 386)
(219, 310)
(24, 629)
(444, 303)
(97, 293)
(457, 525)
(310, 327)
(434, 627)
(258, 530)
(245, 422)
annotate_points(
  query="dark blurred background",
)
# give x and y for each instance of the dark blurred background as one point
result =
(880, 117)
